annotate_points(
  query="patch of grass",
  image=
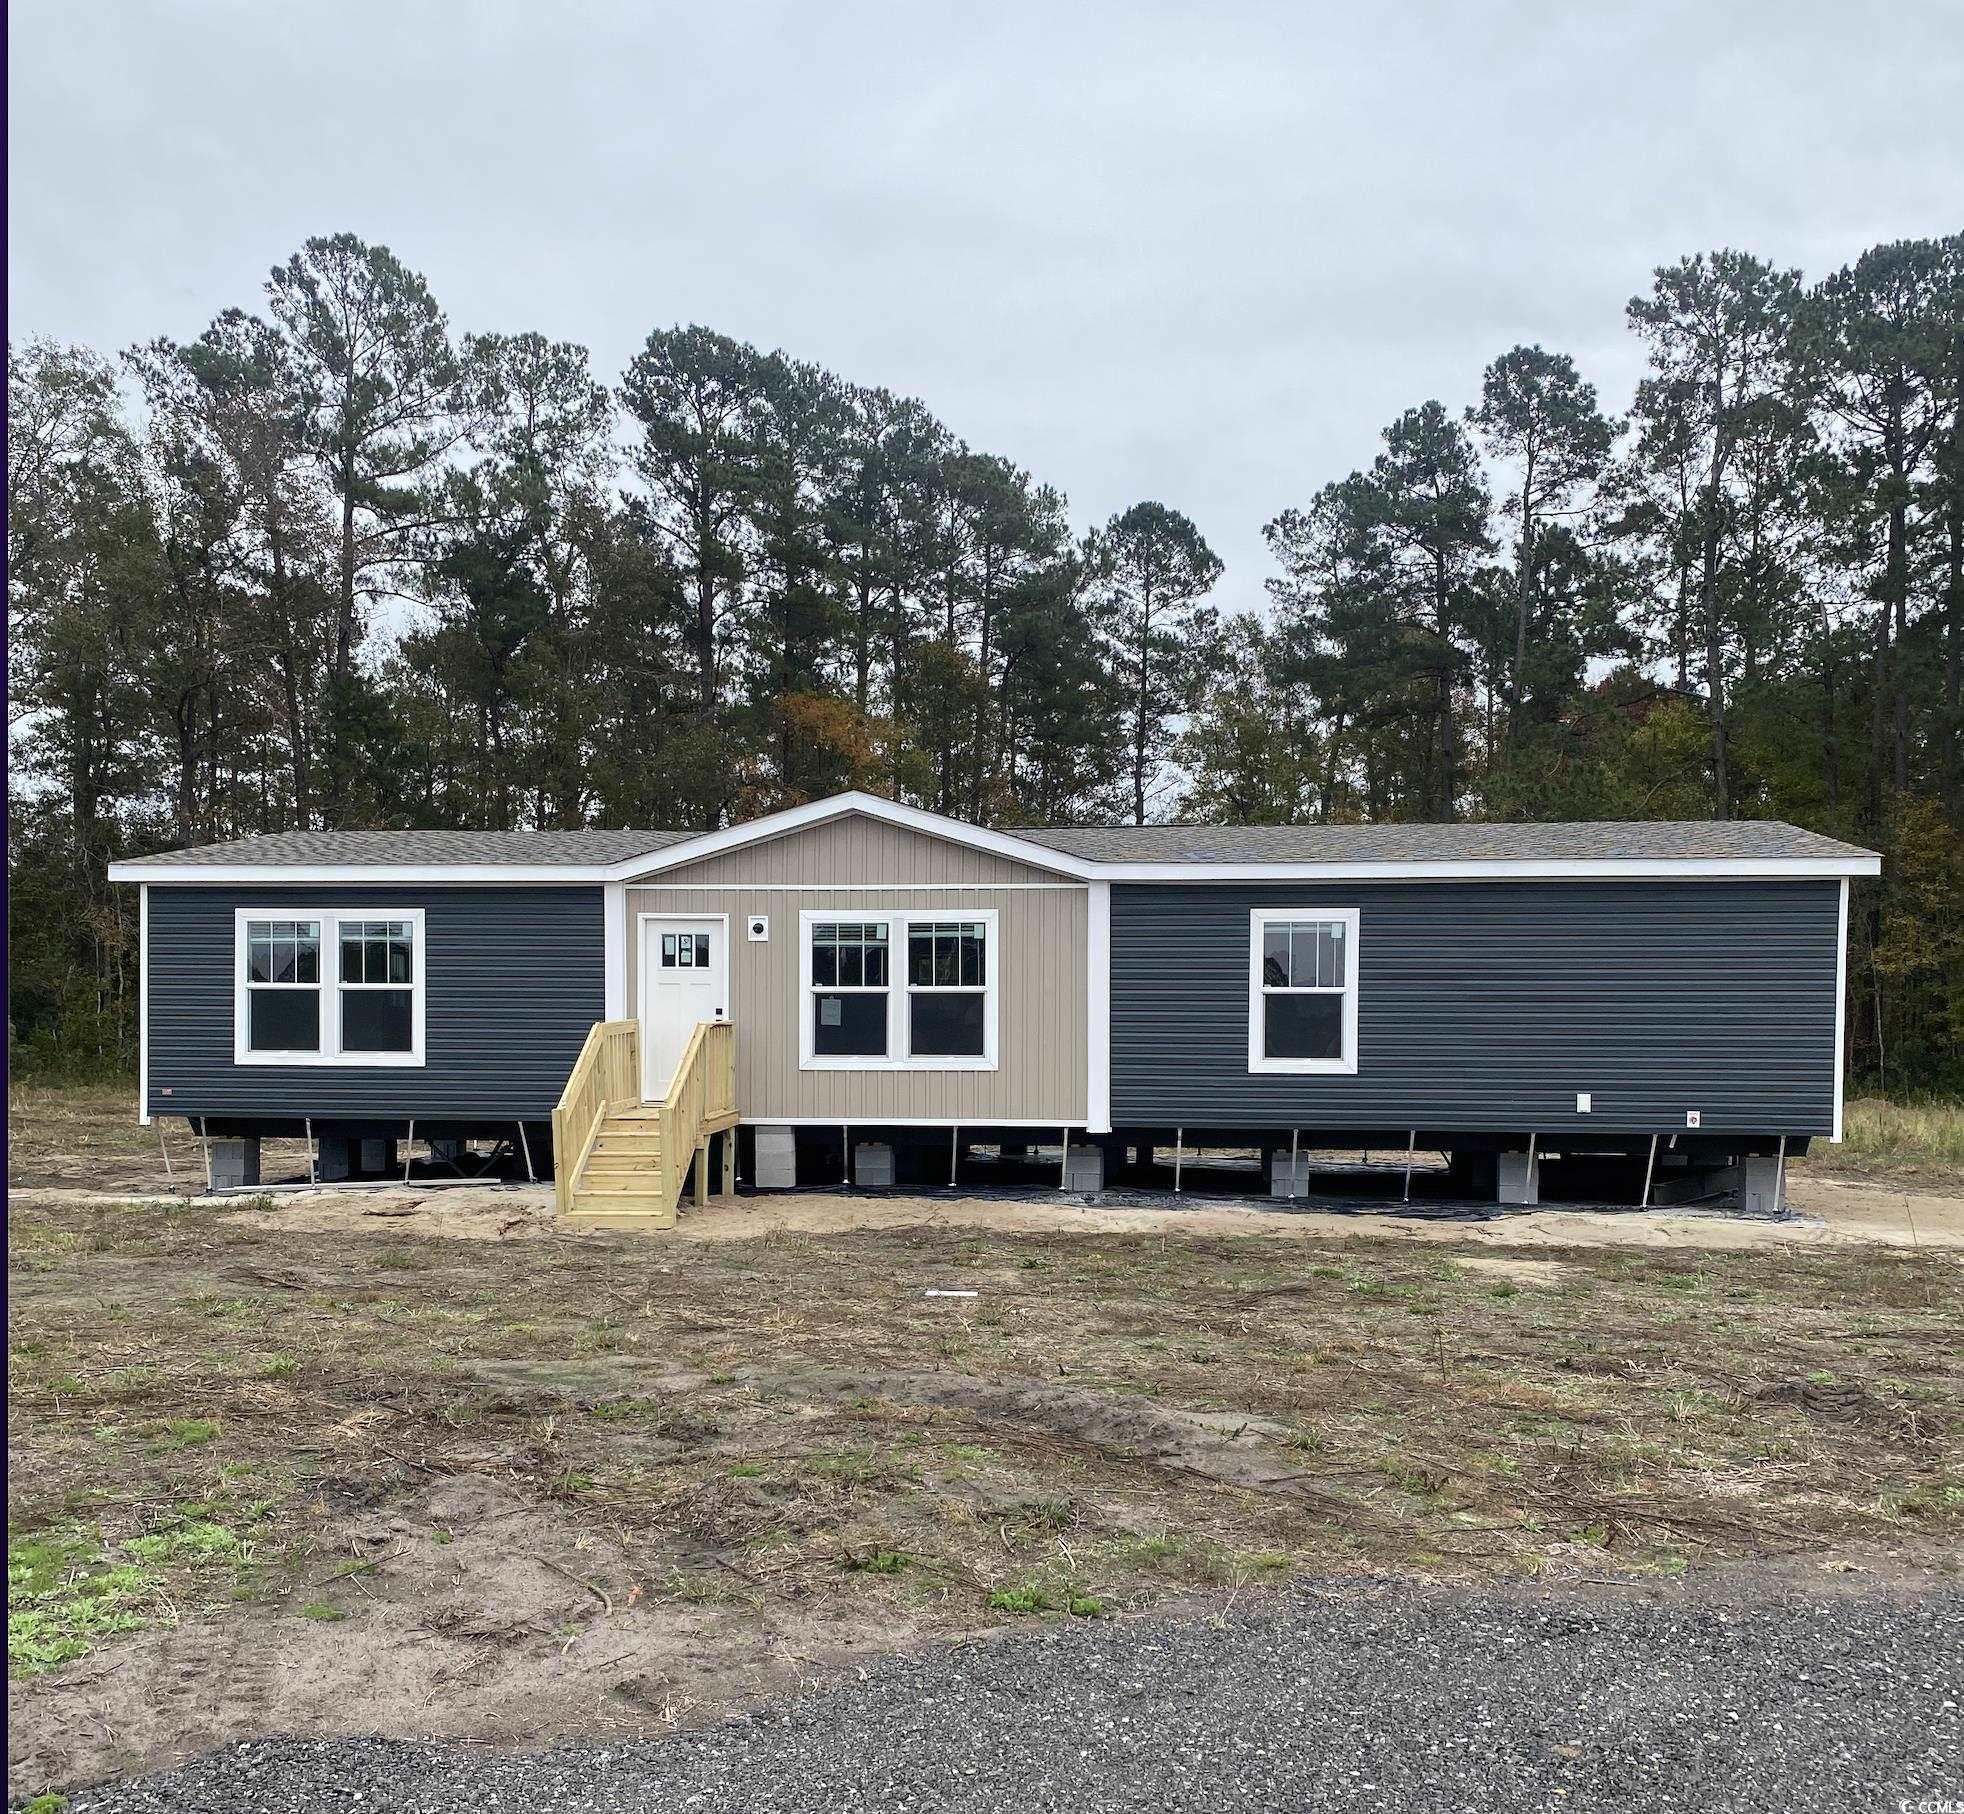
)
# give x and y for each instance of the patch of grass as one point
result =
(881, 1562)
(322, 1612)
(195, 1541)
(47, 1802)
(184, 1433)
(63, 1593)
(1912, 1138)
(1188, 1556)
(1036, 1597)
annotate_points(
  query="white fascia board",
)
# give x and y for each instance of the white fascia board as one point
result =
(838, 806)
(380, 875)
(1506, 870)
(355, 875)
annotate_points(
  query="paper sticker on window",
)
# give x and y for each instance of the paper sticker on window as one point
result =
(830, 1008)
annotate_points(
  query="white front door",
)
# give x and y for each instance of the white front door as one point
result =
(683, 980)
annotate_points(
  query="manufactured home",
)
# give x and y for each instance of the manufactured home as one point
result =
(858, 991)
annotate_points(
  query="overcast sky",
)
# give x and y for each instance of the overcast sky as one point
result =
(1199, 253)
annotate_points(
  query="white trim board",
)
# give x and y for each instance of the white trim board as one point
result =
(613, 950)
(143, 1006)
(1578, 869)
(1840, 1012)
(1098, 1009)
(568, 875)
(873, 1124)
(856, 887)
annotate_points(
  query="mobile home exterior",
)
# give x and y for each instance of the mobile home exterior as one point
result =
(881, 971)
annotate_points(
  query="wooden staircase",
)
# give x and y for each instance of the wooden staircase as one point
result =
(621, 1163)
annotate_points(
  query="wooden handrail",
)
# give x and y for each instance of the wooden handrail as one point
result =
(702, 1092)
(607, 1074)
(606, 1077)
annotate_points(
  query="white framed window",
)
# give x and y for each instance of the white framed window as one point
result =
(338, 986)
(1302, 989)
(891, 991)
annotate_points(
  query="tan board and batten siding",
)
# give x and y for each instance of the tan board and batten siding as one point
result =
(854, 866)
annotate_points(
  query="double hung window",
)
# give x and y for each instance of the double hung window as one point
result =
(1302, 990)
(899, 991)
(328, 987)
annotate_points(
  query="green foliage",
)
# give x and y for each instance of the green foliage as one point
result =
(1035, 1597)
(63, 1593)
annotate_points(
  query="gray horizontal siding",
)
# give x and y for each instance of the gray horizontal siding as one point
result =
(1487, 1006)
(514, 977)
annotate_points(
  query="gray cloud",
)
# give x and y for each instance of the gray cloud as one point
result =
(1199, 253)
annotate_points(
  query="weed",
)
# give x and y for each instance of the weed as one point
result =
(322, 1612)
(881, 1562)
(190, 1542)
(184, 1433)
(1035, 1597)
(63, 1593)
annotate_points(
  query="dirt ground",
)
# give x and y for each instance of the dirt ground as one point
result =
(413, 1462)
(1826, 1212)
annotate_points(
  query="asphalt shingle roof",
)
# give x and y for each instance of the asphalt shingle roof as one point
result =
(1601, 840)
(1195, 844)
(435, 849)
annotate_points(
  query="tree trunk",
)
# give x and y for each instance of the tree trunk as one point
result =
(1954, 654)
(1140, 709)
(1897, 604)
(1523, 600)
(1715, 659)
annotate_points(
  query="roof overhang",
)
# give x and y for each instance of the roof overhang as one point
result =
(871, 806)
(630, 869)
(996, 843)
(1574, 869)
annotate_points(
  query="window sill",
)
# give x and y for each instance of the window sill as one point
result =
(362, 1061)
(896, 1064)
(1303, 1067)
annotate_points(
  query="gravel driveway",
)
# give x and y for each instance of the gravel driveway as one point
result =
(1373, 1700)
